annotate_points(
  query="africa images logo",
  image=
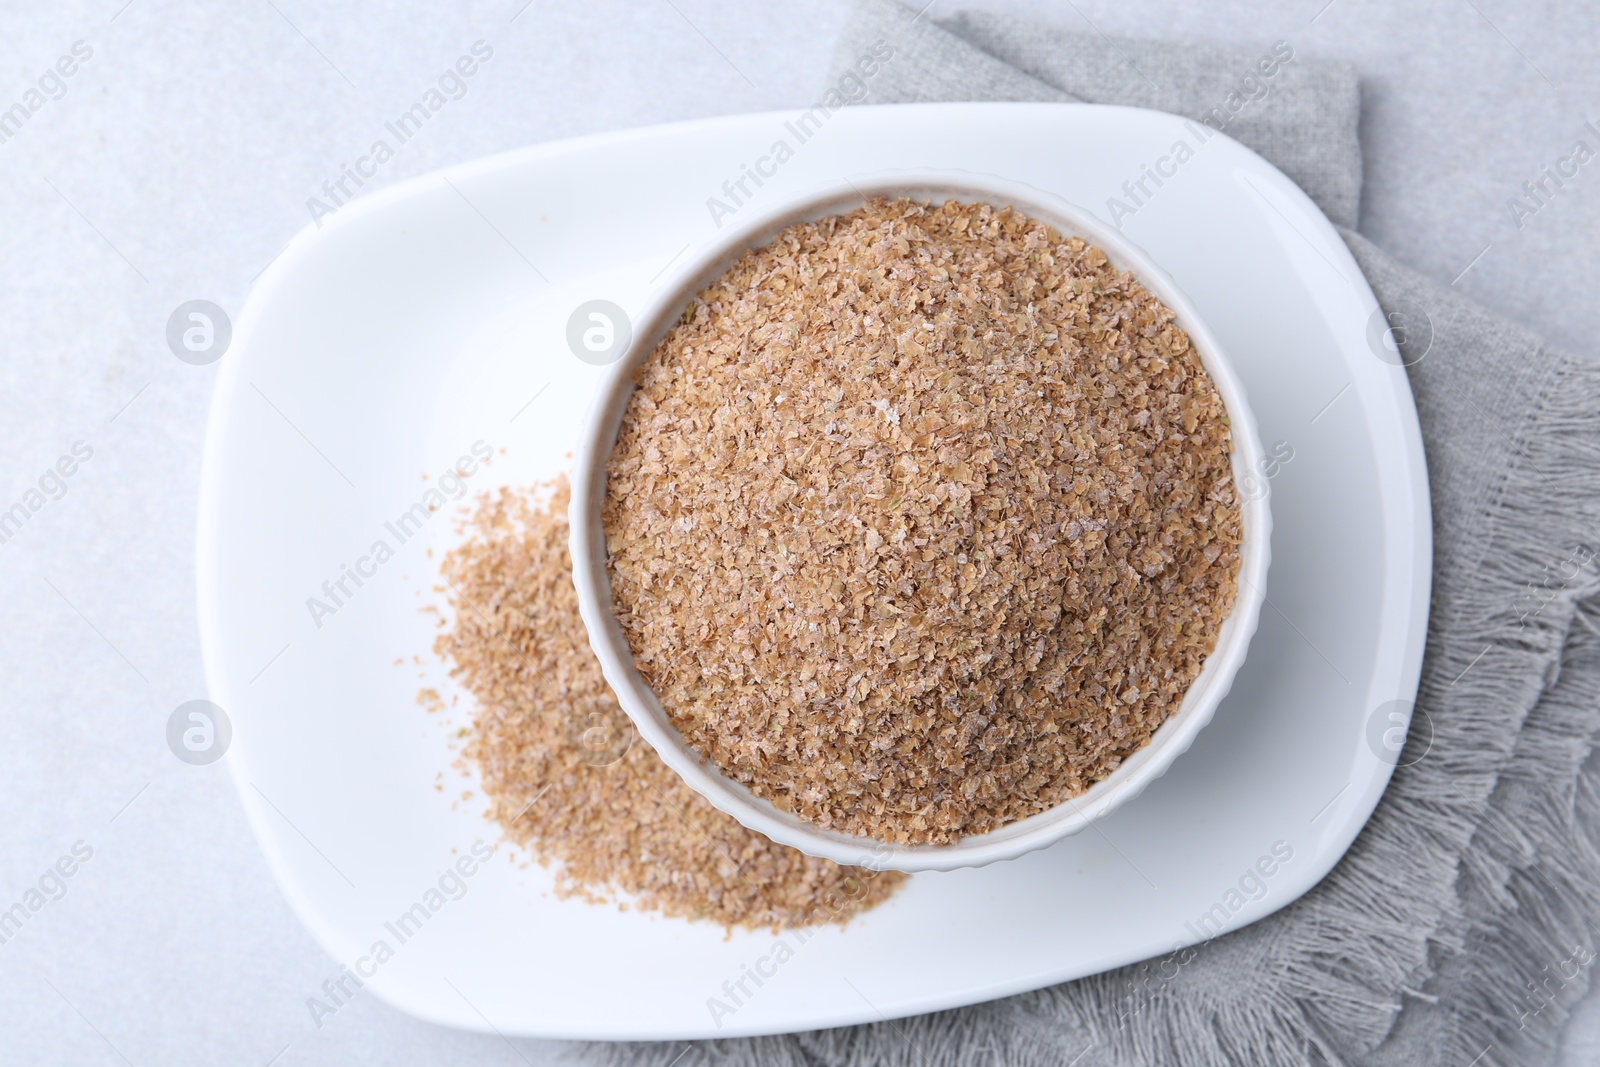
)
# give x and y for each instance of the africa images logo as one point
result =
(452, 485)
(452, 85)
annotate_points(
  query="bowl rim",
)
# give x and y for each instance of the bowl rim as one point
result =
(591, 578)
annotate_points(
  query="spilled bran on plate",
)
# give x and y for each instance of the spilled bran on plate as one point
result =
(565, 776)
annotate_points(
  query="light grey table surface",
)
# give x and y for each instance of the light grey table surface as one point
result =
(178, 163)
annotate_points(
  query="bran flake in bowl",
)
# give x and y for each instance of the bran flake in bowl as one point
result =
(921, 520)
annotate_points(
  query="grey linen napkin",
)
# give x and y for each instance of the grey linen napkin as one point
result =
(1459, 927)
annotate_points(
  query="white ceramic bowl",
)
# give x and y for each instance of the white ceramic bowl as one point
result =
(593, 584)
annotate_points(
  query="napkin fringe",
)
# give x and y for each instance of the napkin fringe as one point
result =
(1522, 890)
(1528, 887)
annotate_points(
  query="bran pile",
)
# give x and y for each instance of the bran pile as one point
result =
(921, 519)
(556, 755)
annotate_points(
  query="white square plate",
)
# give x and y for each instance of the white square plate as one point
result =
(431, 316)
